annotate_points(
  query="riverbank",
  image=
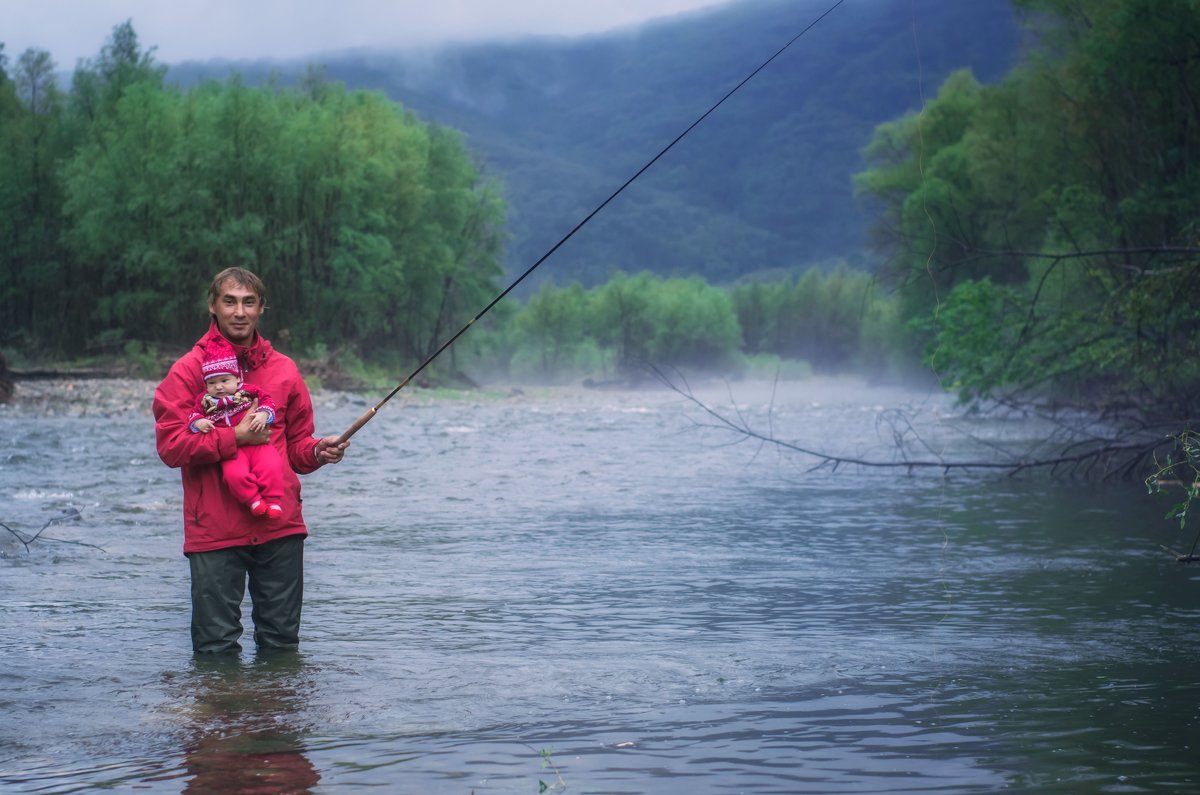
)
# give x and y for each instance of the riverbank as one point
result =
(113, 397)
(104, 397)
(108, 388)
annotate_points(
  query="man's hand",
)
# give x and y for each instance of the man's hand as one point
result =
(245, 432)
(329, 451)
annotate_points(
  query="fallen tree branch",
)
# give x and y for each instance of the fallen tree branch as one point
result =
(38, 536)
(1182, 557)
(1117, 457)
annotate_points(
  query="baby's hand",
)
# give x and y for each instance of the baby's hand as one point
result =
(259, 420)
(204, 426)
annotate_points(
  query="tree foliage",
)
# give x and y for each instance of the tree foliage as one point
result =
(373, 231)
(834, 321)
(1043, 232)
(829, 318)
(617, 327)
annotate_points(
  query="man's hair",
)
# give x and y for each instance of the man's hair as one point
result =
(239, 276)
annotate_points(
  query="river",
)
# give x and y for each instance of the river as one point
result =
(598, 591)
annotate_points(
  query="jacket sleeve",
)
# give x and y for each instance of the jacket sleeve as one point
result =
(301, 444)
(197, 414)
(264, 400)
(177, 445)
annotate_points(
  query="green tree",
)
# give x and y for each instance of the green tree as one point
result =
(1059, 209)
(372, 229)
(550, 330)
(99, 83)
(621, 317)
(458, 245)
(30, 197)
(818, 318)
(695, 325)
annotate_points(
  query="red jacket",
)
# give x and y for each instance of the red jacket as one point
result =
(212, 517)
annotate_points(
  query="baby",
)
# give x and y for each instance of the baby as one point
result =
(255, 474)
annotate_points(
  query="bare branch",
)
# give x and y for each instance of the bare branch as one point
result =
(74, 514)
(1129, 453)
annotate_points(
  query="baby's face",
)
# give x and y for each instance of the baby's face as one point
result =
(221, 385)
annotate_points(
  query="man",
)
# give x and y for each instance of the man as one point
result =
(224, 543)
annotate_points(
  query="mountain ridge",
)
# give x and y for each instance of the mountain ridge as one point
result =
(763, 184)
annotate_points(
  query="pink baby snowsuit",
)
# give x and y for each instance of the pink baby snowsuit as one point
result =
(255, 473)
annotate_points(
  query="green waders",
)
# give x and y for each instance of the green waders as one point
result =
(276, 573)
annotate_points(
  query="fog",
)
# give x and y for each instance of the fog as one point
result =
(207, 29)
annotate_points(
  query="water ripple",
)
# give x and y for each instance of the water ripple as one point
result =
(600, 580)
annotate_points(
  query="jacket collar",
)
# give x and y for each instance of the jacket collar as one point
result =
(250, 357)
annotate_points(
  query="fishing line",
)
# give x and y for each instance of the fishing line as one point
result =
(370, 413)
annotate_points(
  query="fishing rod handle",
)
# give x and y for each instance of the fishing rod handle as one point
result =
(358, 423)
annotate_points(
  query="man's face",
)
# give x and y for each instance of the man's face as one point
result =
(237, 310)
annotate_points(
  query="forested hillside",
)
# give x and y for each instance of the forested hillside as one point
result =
(1036, 234)
(762, 185)
(121, 196)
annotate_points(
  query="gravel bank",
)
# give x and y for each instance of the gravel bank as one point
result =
(105, 397)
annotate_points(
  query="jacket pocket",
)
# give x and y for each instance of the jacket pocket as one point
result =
(191, 501)
(217, 515)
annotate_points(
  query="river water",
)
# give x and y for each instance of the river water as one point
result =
(599, 591)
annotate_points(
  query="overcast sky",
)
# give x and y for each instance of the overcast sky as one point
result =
(200, 29)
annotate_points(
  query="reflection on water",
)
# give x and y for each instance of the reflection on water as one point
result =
(245, 725)
(597, 576)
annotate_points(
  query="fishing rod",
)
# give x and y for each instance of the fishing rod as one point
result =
(370, 413)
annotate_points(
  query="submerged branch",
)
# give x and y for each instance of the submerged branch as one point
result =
(1117, 457)
(1182, 557)
(38, 536)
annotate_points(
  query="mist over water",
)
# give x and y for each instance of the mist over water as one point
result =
(603, 576)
